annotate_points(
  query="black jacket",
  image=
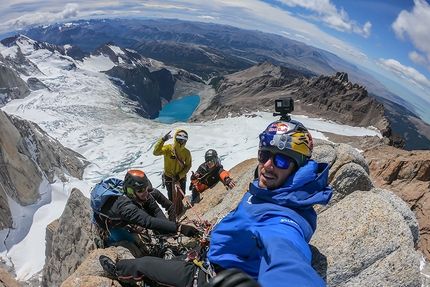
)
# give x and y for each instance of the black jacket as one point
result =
(130, 211)
(209, 177)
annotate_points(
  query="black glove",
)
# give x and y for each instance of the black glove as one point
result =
(232, 278)
(194, 175)
(227, 180)
(189, 231)
(167, 136)
(175, 178)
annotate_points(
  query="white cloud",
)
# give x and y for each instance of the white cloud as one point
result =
(366, 29)
(352, 52)
(331, 16)
(71, 10)
(302, 37)
(418, 58)
(414, 26)
(404, 72)
(207, 17)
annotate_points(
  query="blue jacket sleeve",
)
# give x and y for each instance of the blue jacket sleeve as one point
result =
(285, 255)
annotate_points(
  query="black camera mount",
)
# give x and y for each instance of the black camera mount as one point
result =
(283, 107)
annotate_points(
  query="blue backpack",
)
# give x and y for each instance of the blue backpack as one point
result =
(102, 191)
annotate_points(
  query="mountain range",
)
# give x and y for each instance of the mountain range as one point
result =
(211, 51)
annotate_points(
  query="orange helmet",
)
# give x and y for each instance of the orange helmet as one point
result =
(134, 180)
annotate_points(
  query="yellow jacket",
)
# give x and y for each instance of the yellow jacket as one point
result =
(172, 166)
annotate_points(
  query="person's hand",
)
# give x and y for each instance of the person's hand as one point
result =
(194, 175)
(229, 182)
(232, 278)
(132, 228)
(189, 231)
(175, 178)
(167, 136)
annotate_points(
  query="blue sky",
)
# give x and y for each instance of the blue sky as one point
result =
(389, 38)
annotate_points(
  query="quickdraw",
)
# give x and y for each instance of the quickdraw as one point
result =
(196, 277)
(205, 266)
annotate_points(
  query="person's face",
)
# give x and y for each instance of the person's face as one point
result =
(274, 169)
(181, 142)
(142, 194)
(210, 162)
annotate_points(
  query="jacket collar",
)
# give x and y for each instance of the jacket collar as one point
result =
(304, 188)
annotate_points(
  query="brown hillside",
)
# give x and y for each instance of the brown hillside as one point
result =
(334, 98)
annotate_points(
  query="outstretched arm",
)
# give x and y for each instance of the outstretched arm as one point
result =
(226, 179)
(286, 256)
(131, 213)
(159, 148)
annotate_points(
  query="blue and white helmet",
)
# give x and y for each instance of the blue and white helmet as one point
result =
(290, 138)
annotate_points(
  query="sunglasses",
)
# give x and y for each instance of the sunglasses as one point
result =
(140, 190)
(210, 159)
(279, 160)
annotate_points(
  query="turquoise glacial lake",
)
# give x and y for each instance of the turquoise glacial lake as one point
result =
(179, 110)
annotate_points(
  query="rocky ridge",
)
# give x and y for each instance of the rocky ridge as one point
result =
(407, 174)
(332, 97)
(28, 156)
(11, 85)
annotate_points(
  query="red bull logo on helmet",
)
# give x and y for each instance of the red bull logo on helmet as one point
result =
(279, 127)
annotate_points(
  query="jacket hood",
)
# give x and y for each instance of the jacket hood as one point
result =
(177, 145)
(304, 188)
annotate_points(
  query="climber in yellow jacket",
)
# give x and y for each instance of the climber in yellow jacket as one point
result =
(177, 163)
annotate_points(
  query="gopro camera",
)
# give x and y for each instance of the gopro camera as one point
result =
(283, 107)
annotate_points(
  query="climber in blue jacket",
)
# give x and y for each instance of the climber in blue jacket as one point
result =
(267, 235)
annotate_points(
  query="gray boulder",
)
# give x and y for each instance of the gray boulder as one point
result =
(69, 240)
(363, 240)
